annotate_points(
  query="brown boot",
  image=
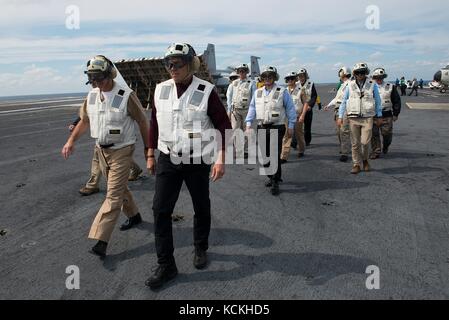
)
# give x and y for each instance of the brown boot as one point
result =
(366, 166)
(374, 156)
(84, 191)
(355, 169)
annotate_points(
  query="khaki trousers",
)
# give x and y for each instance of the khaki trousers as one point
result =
(386, 130)
(361, 132)
(95, 171)
(344, 135)
(287, 142)
(238, 117)
(114, 165)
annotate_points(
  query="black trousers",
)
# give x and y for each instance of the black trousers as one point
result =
(281, 132)
(414, 90)
(308, 127)
(169, 179)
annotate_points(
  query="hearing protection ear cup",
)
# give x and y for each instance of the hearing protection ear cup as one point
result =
(113, 73)
(196, 64)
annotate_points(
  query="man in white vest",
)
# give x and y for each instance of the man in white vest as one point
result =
(111, 111)
(271, 105)
(309, 94)
(361, 102)
(343, 131)
(185, 107)
(295, 92)
(239, 96)
(391, 108)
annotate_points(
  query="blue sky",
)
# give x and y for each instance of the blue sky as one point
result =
(40, 55)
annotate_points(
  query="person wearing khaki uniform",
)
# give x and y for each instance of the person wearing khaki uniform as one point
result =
(92, 185)
(391, 108)
(362, 103)
(298, 100)
(239, 96)
(110, 110)
(343, 131)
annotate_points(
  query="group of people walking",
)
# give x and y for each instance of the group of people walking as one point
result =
(186, 106)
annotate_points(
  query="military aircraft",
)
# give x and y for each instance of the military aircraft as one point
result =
(442, 77)
(221, 77)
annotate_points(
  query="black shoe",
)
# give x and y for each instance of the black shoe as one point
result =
(200, 259)
(245, 155)
(269, 183)
(283, 161)
(131, 222)
(385, 150)
(343, 158)
(301, 155)
(99, 249)
(162, 275)
(275, 189)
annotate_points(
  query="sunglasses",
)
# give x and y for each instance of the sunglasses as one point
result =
(290, 79)
(359, 73)
(174, 65)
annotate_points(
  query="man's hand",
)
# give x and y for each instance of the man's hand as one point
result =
(67, 150)
(378, 122)
(71, 127)
(301, 119)
(326, 108)
(339, 122)
(395, 118)
(218, 171)
(289, 133)
(151, 165)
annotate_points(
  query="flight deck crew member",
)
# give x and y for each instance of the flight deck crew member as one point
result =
(309, 92)
(92, 185)
(391, 108)
(271, 106)
(185, 107)
(239, 96)
(362, 103)
(110, 110)
(295, 92)
(343, 131)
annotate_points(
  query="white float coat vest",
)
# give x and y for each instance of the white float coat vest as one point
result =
(385, 90)
(341, 94)
(306, 90)
(361, 102)
(296, 97)
(109, 119)
(270, 109)
(183, 120)
(241, 93)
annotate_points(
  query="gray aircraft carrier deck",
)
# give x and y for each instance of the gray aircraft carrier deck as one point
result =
(314, 241)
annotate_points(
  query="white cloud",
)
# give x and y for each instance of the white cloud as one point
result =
(321, 49)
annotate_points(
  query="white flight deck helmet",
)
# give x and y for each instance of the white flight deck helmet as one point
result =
(344, 71)
(379, 73)
(184, 51)
(269, 69)
(242, 66)
(361, 67)
(290, 75)
(303, 71)
(101, 65)
(233, 76)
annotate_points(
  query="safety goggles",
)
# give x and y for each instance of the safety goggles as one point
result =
(96, 77)
(174, 65)
(267, 77)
